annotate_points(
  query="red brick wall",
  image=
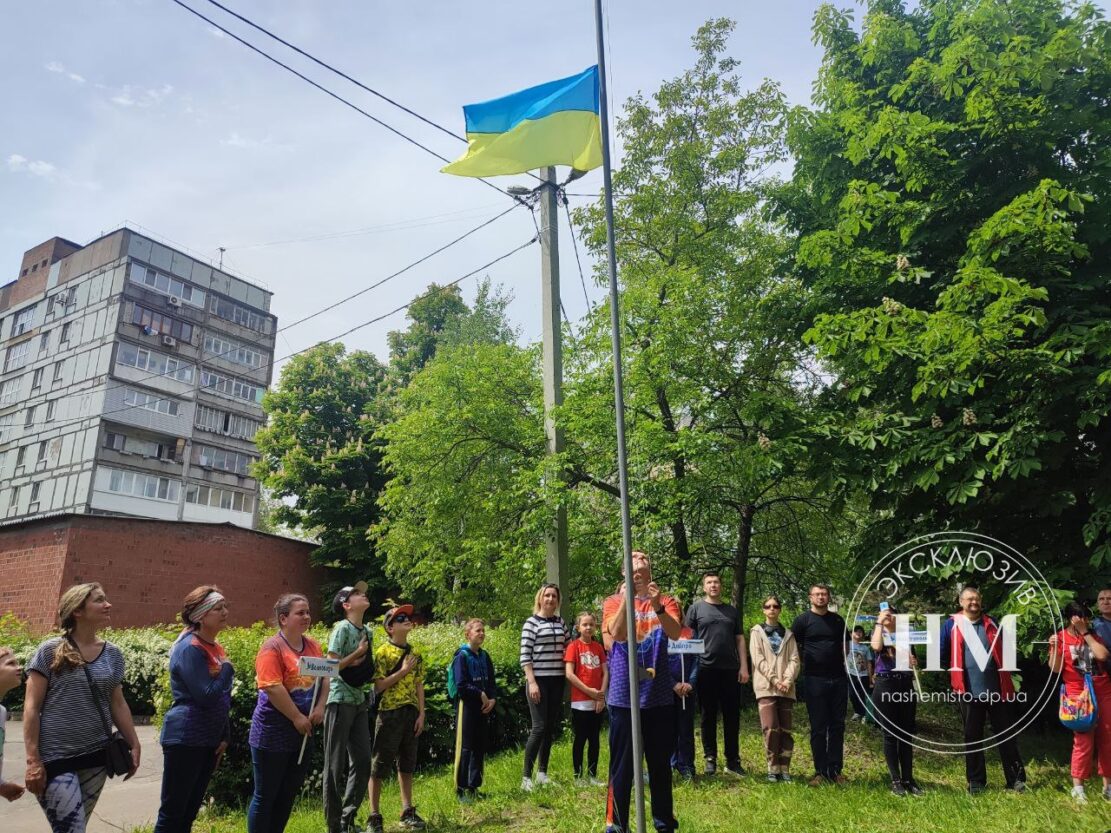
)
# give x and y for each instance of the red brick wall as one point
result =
(32, 562)
(147, 567)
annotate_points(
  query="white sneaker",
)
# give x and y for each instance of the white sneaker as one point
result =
(1078, 794)
(526, 784)
(542, 779)
(597, 782)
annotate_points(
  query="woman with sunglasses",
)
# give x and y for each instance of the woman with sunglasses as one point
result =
(775, 667)
(1077, 653)
(544, 638)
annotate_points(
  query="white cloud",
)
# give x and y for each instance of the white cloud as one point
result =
(37, 167)
(216, 33)
(17, 163)
(130, 96)
(237, 140)
(60, 69)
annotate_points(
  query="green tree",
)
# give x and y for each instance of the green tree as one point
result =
(319, 459)
(950, 196)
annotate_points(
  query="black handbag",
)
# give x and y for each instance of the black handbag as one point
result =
(359, 675)
(117, 754)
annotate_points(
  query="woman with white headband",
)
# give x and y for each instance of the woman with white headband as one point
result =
(195, 730)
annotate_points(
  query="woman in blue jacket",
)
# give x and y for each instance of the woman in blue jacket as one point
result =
(195, 730)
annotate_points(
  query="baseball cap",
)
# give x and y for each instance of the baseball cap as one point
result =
(393, 611)
(345, 594)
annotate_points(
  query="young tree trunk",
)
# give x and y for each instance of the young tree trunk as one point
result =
(740, 556)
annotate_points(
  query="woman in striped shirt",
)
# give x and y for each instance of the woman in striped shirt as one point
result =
(543, 640)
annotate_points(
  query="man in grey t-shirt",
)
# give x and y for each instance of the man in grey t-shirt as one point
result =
(722, 670)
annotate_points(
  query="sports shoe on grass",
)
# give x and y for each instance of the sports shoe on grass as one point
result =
(526, 784)
(374, 823)
(411, 821)
(1078, 794)
(542, 779)
(816, 781)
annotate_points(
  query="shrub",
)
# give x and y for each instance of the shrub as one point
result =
(145, 650)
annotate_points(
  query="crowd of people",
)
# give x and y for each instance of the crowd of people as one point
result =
(78, 729)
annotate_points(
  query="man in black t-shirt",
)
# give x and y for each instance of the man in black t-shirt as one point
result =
(823, 641)
(722, 670)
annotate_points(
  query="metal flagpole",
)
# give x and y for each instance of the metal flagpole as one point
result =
(622, 462)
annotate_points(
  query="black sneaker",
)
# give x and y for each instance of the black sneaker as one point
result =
(898, 789)
(976, 789)
(374, 823)
(411, 821)
(735, 769)
(913, 788)
(711, 767)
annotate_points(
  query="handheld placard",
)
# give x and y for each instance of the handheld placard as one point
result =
(318, 667)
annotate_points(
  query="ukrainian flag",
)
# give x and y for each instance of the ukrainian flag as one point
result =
(552, 124)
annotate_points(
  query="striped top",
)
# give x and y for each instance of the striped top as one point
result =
(543, 641)
(72, 722)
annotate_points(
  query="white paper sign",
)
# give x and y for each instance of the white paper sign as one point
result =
(913, 638)
(686, 646)
(319, 667)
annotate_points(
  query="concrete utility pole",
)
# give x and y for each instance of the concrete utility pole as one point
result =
(552, 364)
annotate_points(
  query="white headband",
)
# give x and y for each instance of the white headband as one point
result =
(210, 601)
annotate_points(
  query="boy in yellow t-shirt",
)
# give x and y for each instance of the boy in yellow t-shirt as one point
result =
(399, 681)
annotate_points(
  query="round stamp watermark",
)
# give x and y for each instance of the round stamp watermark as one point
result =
(961, 654)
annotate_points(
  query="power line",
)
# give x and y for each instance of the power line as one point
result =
(398, 225)
(575, 243)
(328, 92)
(338, 72)
(288, 356)
(345, 76)
(281, 330)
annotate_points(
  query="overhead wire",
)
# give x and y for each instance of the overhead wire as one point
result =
(328, 92)
(274, 361)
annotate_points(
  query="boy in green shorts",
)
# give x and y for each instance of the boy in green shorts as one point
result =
(399, 681)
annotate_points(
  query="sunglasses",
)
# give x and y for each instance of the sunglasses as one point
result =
(772, 606)
(401, 617)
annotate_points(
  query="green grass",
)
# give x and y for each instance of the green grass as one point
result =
(726, 804)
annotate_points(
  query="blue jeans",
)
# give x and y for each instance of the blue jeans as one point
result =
(682, 759)
(278, 780)
(826, 699)
(186, 772)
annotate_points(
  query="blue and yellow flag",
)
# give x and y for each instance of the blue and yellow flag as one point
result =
(552, 124)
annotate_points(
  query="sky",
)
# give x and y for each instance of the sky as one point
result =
(135, 112)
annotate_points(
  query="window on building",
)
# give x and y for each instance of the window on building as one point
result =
(51, 407)
(223, 422)
(64, 337)
(225, 460)
(114, 441)
(36, 379)
(34, 504)
(150, 402)
(41, 456)
(17, 356)
(44, 342)
(167, 285)
(244, 316)
(221, 498)
(58, 371)
(158, 364)
(29, 420)
(13, 498)
(154, 323)
(231, 386)
(229, 350)
(71, 298)
(23, 320)
(6, 427)
(149, 486)
(9, 391)
(21, 458)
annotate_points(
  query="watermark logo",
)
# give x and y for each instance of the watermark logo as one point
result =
(959, 654)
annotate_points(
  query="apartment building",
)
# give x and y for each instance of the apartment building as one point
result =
(131, 377)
